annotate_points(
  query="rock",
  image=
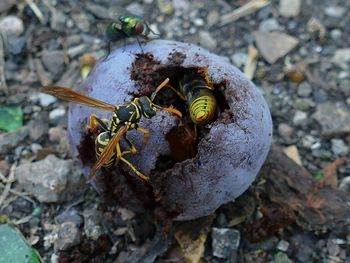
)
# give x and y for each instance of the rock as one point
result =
(6, 5)
(35, 147)
(316, 29)
(51, 179)
(12, 26)
(268, 25)
(345, 184)
(57, 113)
(68, 236)
(10, 140)
(197, 21)
(45, 99)
(70, 215)
(60, 21)
(82, 21)
(206, 40)
(285, 130)
(281, 257)
(283, 246)
(38, 127)
(274, 45)
(4, 167)
(336, 34)
(239, 59)
(213, 18)
(342, 58)
(17, 45)
(53, 61)
(332, 247)
(339, 147)
(293, 153)
(224, 241)
(289, 8)
(135, 9)
(304, 89)
(334, 118)
(322, 154)
(335, 11)
(56, 134)
(309, 142)
(92, 228)
(299, 118)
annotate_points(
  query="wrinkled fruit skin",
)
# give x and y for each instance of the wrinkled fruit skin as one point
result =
(229, 156)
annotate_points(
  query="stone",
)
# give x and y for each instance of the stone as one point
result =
(299, 118)
(6, 5)
(206, 40)
(12, 26)
(316, 29)
(339, 147)
(239, 59)
(281, 257)
(268, 25)
(57, 113)
(53, 61)
(334, 118)
(274, 45)
(17, 46)
(135, 9)
(304, 89)
(68, 236)
(341, 58)
(283, 245)
(70, 215)
(335, 11)
(225, 241)
(51, 179)
(289, 8)
(285, 130)
(10, 140)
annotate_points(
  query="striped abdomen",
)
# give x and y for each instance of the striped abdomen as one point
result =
(200, 98)
(100, 144)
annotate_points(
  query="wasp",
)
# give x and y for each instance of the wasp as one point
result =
(126, 26)
(196, 89)
(125, 117)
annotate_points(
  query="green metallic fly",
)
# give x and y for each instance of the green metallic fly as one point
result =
(126, 26)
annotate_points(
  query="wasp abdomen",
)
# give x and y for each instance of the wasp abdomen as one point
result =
(101, 143)
(202, 109)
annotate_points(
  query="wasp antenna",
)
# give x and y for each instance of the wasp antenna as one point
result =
(162, 85)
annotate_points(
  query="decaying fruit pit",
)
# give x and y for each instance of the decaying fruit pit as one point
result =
(190, 176)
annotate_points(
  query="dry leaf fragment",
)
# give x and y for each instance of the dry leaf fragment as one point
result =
(192, 249)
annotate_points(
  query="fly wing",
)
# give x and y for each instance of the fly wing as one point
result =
(70, 95)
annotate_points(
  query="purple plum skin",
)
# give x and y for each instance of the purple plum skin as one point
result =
(229, 156)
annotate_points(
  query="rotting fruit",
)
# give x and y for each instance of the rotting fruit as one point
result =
(219, 161)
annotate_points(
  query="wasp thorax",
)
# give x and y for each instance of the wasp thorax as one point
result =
(147, 107)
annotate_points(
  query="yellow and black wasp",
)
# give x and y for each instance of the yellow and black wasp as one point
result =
(196, 89)
(124, 118)
(126, 25)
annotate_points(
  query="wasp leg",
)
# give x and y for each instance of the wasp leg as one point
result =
(204, 73)
(145, 133)
(132, 149)
(96, 122)
(120, 157)
(177, 92)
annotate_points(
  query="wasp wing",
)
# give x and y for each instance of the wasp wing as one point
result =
(108, 151)
(70, 95)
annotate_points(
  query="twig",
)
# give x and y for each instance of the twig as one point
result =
(3, 85)
(244, 10)
(250, 65)
(24, 195)
(9, 181)
(36, 11)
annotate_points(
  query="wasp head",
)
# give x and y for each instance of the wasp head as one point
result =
(148, 108)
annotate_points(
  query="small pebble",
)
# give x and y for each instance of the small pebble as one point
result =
(68, 236)
(239, 59)
(335, 11)
(12, 25)
(224, 241)
(135, 9)
(269, 25)
(45, 99)
(285, 130)
(35, 147)
(336, 34)
(283, 245)
(339, 147)
(206, 40)
(57, 113)
(56, 134)
(299, 118)
(289, 8)
(16, 45)
(198, 21)
(53, 61)
(304, 89)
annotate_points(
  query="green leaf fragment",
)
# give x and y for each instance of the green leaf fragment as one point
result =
(14, 247)
(11, 118)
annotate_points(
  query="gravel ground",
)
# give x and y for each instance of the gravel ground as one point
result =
(305, 79)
